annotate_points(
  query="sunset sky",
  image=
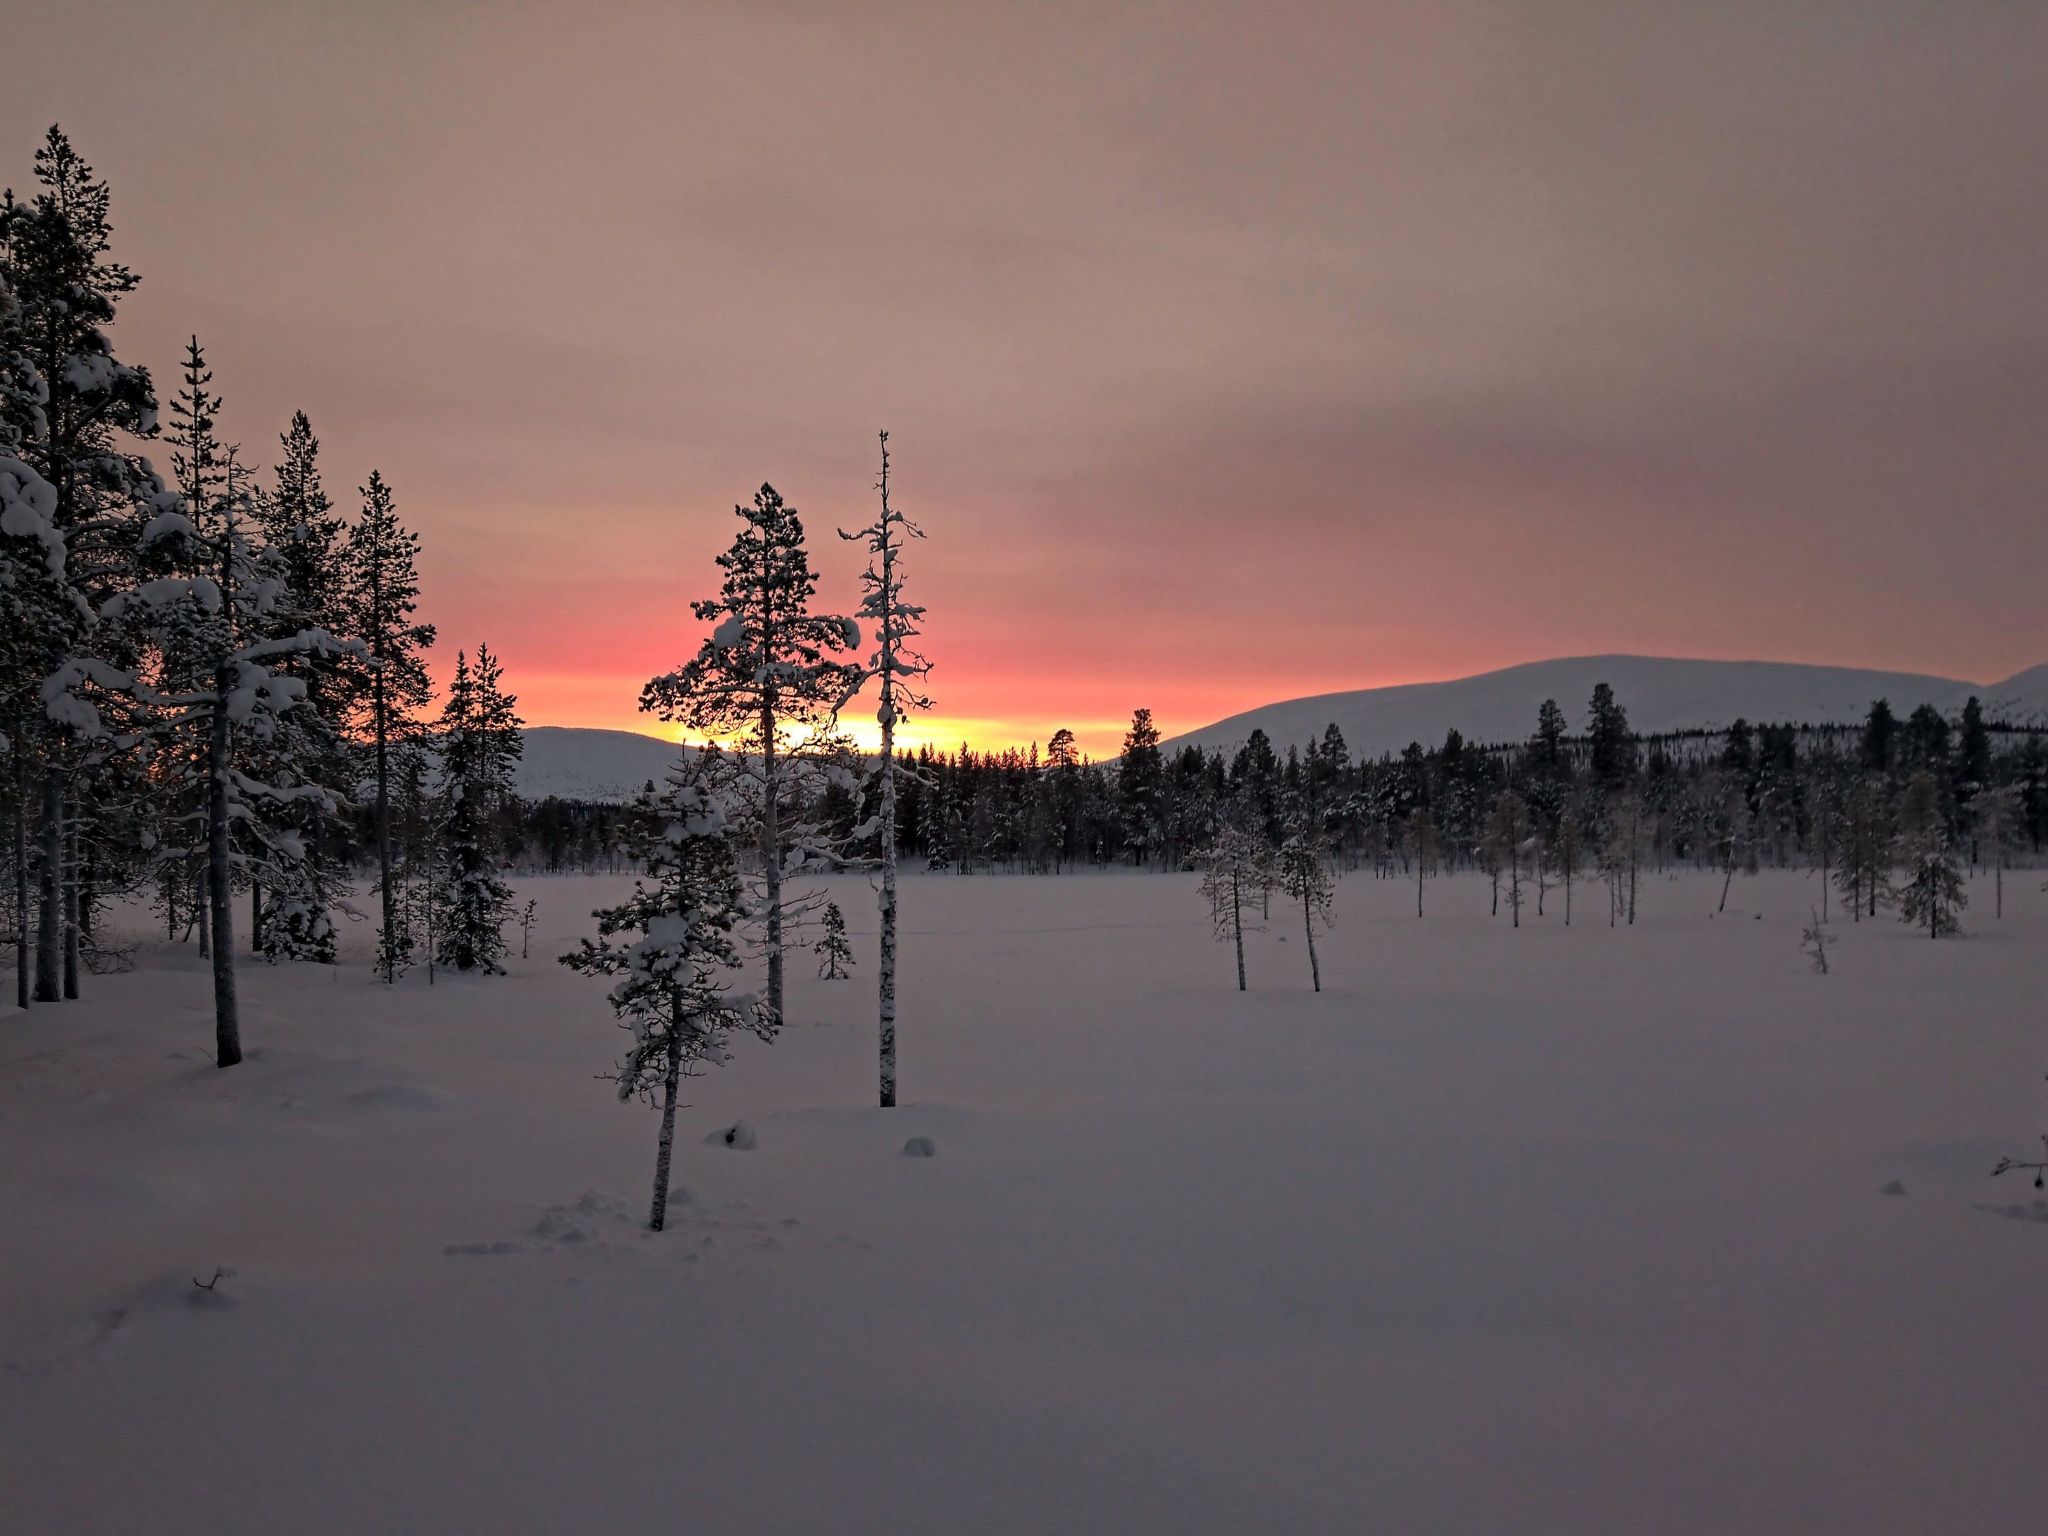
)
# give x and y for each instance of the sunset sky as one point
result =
(1230, 353)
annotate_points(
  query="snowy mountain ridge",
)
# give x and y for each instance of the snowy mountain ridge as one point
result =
(1660, 693)
(583, 763)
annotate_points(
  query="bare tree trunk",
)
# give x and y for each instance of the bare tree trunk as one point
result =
(255, 918)
(227, 1028)
(379, 716)
(21, 943)
(71, 878)
(1237, 926)
(1418, 885)
(665, 1148)
(771, 853)
(1308, 923)
(888, 963)
(202, 913)
(50, 920)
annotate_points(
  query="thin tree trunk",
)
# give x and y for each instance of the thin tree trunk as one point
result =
(21, 943)
(1237, 925)
(255, 918)
(1308, 923)
(50, 921)
(381, 725)
(665, 1148)
(771, 853)
(227, 1029)
(71, 877)
(888, 964)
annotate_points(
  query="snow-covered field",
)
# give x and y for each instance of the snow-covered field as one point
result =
(1540, 1231)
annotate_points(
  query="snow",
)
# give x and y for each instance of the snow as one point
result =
(1536, 1231)
(581, 764)
(1660, 694)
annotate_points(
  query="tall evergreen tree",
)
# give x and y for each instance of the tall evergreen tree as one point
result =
(379, 596)
(1141, 786)
(68, 401)
(481, 742)
(769, 675)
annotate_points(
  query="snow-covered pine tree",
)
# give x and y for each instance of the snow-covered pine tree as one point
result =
(1304, 875)
(306, 537)
(33, 592)
(1932, 895)
(899, 667)
(481, 741)
(202, 677)
(1236, 874)
(768, 677)
(671, 945)
(67, 400)
(380, 595)
(835, 955)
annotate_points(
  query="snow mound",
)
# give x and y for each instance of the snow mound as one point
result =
(920, 1146)
(739, 1136)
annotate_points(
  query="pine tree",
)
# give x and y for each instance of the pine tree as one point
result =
(307, 539)
(769, 677)
(1236, 872)
(671, 945)
(207, 673)
(1611, 747)
(1141, 786)
(1305, 876)
(66, 400)
(1933, 894)
(835, 955)
(380, 594)
(898, 666)
(480, 743)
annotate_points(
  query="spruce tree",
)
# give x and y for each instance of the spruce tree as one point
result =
(307, 541)
(835, 955)
(480, 742)
(379, 596)
(769, 677)
(1141, 786)
(1932, 895)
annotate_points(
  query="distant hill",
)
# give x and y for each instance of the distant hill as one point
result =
(575, 763)
(1660, 694)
